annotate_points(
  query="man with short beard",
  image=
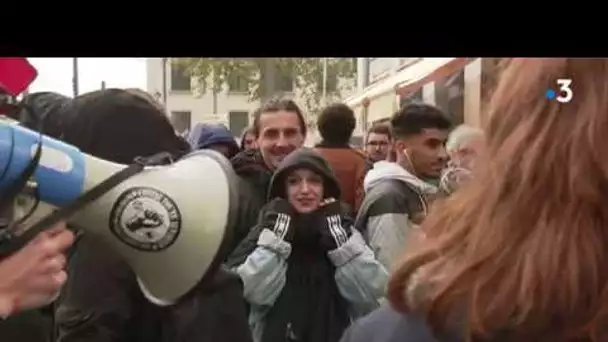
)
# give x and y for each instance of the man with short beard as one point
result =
(279, 128)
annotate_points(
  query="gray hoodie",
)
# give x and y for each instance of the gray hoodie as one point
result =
(393, 196)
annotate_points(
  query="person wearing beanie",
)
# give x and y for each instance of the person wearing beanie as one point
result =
(307, 271)
(215, 137)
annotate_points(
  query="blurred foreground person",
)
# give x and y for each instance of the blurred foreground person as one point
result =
(520, 254)
(464, 145)
(306, 271)
(102, 301)
(32, 278)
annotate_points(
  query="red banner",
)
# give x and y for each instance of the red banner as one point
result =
(16, 74)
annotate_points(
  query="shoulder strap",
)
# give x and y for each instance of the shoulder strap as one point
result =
(359, 153)
(414, 200)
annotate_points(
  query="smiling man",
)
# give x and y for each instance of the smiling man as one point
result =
(279, 128)
(396, 193)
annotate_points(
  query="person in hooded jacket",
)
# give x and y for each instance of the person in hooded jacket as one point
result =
(280, 128)
(215, 137)
(102, 301)
(397, 194)
(308, 272)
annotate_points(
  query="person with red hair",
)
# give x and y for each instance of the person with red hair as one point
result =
(519, 253)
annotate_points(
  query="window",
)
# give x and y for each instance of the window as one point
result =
(238, 84)
(410, 98)
(405, 62)
(449, 96)
(284, 82)
(181, 121)
(237, 121)
(380, 67)
(179, 80)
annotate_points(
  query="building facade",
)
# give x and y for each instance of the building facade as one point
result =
(231, 106)
(457, 85)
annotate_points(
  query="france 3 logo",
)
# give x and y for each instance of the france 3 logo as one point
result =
(564, 94)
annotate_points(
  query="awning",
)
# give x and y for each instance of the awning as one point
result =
(415, 76)
(446, 70)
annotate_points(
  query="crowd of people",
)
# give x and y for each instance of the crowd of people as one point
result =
(430, 233)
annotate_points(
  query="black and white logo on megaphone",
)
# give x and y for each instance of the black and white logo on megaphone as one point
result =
(145, 219)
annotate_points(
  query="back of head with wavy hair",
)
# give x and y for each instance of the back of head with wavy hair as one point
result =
(522, 251)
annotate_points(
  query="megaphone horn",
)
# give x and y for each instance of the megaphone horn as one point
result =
(171, 223)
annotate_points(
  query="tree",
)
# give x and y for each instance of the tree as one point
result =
(261, 74)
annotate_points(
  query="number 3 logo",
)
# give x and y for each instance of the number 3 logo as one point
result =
(566, 93)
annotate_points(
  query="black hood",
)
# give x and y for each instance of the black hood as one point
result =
(48, 107)
(118, 125)
(250, 165)
(250, 162)
(309, 159)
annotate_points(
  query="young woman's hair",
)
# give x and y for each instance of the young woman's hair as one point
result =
(523, 249)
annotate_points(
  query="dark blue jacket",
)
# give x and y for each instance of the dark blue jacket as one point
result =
(205, 135)
(387, 325)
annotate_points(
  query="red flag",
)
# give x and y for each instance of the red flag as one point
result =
(16, 74)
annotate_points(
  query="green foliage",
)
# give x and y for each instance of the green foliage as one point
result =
(214, 73)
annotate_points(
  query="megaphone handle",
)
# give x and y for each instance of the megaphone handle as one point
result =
(10, 243)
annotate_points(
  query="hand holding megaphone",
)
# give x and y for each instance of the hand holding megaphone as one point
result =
(33, 276)
(168, 222)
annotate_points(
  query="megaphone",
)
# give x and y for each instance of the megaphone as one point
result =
(170, 223)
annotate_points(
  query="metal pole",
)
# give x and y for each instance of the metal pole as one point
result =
(164, 80)
(324, 81)
(75, 76)
(362, 73)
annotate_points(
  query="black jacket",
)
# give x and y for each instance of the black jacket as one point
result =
(102, 302)
(29, 326)
(254, 178)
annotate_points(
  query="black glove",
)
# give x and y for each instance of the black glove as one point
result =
(335, 227)
(278, 217)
